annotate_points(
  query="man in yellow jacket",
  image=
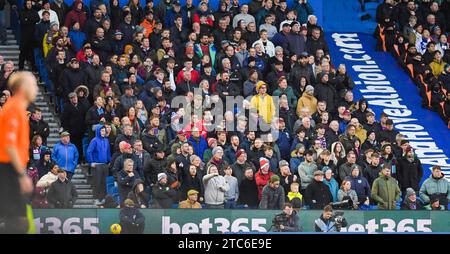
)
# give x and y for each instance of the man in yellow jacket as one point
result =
(191, 201)
(437, 66)
(263, 103)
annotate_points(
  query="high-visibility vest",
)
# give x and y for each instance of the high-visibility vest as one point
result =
(31, 226)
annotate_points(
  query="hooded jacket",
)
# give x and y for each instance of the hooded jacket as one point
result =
(307, 101)
(409, 174)
(361, 186)
(433, 186)
(215, 188)
(66, 156)
(76, 15)
(385, 192)
(99, 150)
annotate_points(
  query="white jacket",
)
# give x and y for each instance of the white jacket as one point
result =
(47, 180)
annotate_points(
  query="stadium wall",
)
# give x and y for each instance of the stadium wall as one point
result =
(176, 221)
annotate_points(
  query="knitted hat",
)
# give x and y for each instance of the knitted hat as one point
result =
(410, 192)
(240, 152)
(161, 176)
(274, 178)
(211, 141)
(309, 88)
(264, 164)
(217, 149)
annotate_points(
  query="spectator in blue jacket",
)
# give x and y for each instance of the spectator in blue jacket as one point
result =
(284, 140)
(198, 142)
(360, 185)
(231, 150)
(98, 156)
(303, 9)
(66, 154)
(77, 37)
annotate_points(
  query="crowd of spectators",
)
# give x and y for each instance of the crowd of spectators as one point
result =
(115, 70)
(417, 33)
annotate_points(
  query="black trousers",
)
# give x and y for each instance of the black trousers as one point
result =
(12, 203)
(27, 54)
(100, 172)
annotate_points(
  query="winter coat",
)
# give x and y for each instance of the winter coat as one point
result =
(327, 92)
(248, 193)
(385, 192)
(408, 205)
(433, 186)
(43, 166)
(334, 187)
(409, 174)
(307, 101)
(261, 181)
(99, 150)
(371, 173)
(125, 183)
(131, 220)
(39, 128)
(306, 173)
(284, 143)
(71, 79)
(77, 38)
(199, 145)
(292, 99)
(151, 172)
(28, 20)
(66, 156)
(215, 188)
(192, 183)
(239, 170)
(272, 198)
(62, 194)
(76, 15)
(345, 170)
(295, 43)
(317, 195)
(163, 196)
(361, 187)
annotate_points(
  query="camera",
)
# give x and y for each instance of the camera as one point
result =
(278, 220)
(339, 220)
(344, 204)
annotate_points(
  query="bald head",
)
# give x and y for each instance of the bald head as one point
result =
(23, 83)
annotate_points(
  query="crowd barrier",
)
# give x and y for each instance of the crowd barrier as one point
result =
(187, 221)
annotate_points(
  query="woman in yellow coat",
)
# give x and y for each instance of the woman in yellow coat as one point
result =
(263, 103)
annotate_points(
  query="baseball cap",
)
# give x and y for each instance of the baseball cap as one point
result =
(64, 134)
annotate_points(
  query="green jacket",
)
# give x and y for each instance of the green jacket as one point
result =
(385, 191)
(434, 186)
(292, 99)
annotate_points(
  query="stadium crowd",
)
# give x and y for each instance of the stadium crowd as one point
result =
(115, 70)
(416, 33)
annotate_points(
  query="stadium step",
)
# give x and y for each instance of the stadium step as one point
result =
(85, 196)
(84, 202)
(79, 181)
(84, 191)
(83, 186)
